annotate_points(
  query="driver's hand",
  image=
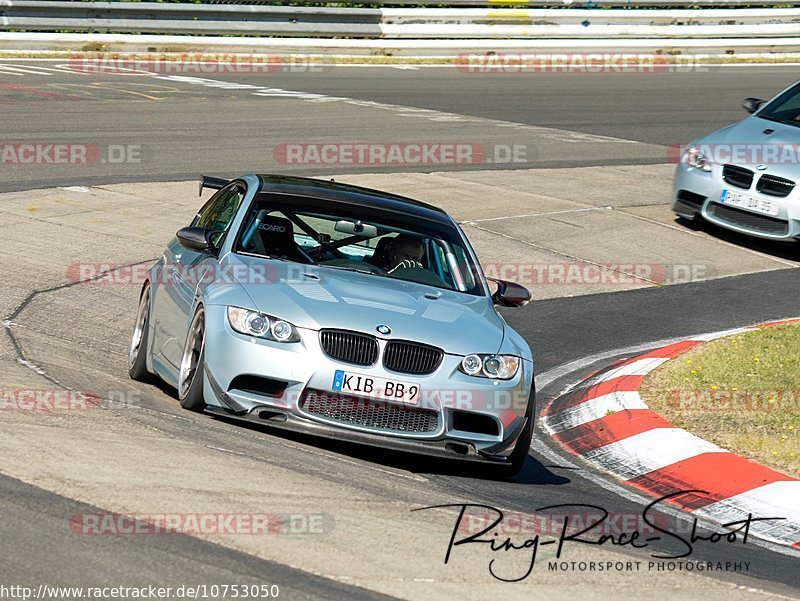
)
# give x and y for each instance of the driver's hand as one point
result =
(406, 264)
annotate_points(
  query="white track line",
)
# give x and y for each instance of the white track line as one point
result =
(560, 459)
(537, 214)
(639, 367)
(712, 238)
(648, 451)
(24, 70)
(403, 111)
(777, 499)
(715, 335)
(601, 479)
(593, 409)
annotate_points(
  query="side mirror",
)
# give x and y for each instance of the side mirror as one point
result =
(509, 294)
(751, 105)
(196, 238)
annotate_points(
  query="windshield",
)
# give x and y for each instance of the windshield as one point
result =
(349, 237)
(785, 108)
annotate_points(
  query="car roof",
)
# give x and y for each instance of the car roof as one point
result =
(339, 192)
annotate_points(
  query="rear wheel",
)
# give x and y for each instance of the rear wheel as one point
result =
(190, 376)
(137, 353)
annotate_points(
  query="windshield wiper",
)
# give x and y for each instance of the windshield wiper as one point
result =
(356, 269)
(778, 120)
(270, 257)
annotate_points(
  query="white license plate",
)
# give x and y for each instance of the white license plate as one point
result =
(375, 388)
(745, 201)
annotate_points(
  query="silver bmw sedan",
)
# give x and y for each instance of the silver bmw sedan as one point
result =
(340, 311)
(743, 177)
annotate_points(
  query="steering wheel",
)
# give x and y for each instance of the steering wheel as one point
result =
(375, 269)
(419, 275)
(323, 247)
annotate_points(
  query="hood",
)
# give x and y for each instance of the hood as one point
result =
(746, 144)
(320, 297)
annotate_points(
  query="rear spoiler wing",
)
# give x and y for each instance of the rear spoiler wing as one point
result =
(214, 183)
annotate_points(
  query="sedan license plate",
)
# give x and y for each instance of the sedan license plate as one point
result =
(375, 388)
(745, 201)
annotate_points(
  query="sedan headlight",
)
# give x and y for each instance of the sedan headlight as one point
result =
(496, 367)
(253, 323)
(694, 158)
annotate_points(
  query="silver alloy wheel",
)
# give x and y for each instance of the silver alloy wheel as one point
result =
(191, 354)
(142, 321)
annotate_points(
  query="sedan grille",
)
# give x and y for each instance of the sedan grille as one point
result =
(750, 221)
(774, 186)
(411, 358)
(370, 414)
(349, 347)
(737, 176)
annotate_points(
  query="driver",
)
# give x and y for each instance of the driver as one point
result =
(407, 251)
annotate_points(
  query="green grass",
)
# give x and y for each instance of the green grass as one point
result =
(742, 393)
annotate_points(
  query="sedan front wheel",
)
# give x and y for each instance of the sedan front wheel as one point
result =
(137, 352)
(190, 377)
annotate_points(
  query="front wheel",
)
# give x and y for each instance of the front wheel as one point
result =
(137, 353)
(190, 376)
(518, 457)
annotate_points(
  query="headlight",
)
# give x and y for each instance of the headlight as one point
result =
(253, 323)
(497, 367)
(694, 158)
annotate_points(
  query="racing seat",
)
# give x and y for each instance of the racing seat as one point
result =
(276, 237)
(380, 258)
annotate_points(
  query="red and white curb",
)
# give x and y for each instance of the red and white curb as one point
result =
(605, 421)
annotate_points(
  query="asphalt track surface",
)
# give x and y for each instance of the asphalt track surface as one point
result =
(231, 131)
(570, 336)
(47, 553)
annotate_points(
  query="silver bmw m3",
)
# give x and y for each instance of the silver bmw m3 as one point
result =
(340, 311)
(743, 177)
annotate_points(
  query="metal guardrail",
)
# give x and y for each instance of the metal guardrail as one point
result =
(566, 4)
(195, 19)
(395, 23)
(516, 3)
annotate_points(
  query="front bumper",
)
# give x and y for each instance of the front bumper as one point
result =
(302, 369)
(445, 448)
(697, 192)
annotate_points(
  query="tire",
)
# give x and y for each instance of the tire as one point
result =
(190, 375)
(137, 352)
(519, 455)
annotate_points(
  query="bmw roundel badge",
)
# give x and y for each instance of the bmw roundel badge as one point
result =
(384, 329)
